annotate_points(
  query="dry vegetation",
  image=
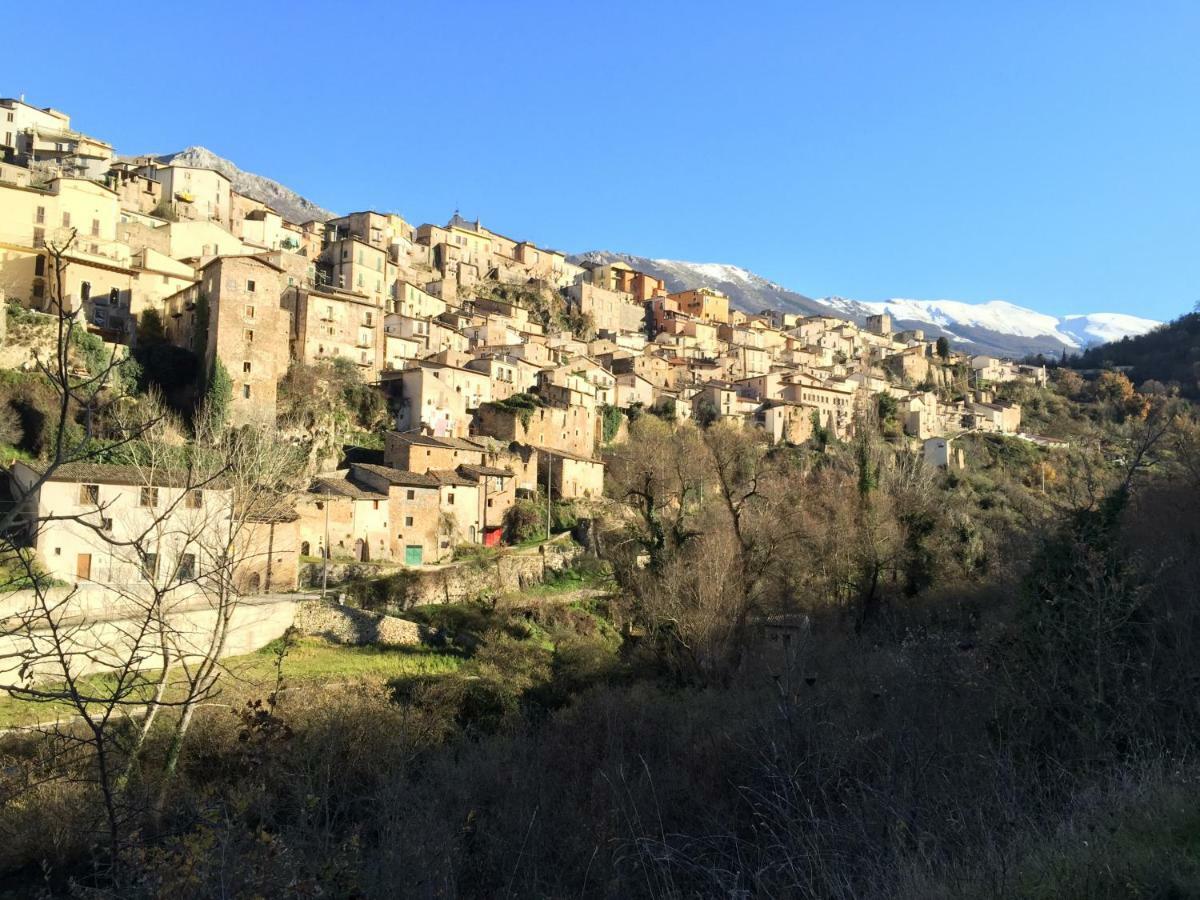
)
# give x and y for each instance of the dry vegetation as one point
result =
(994, 695)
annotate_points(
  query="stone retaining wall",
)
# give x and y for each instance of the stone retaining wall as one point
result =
(511, 572)
(463, 582)
(347, 625)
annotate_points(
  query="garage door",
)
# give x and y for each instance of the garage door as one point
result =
(412, 555)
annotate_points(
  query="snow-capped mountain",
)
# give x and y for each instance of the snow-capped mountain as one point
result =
(283, 200)
(993, 327)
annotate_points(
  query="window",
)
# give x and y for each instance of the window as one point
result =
(89, 495)
(40, 215)
(39, 237)
(194, 499)
(408, 521)
(95, 228)
(375, 504)
(248, 334)
(450, 499)
(249, 312)
(66, 220)
(39, 266)
(105, 524)
(411, 495)
(150, 566)
(250, 286)
(85, 291)
(245, 392)
(246, 368)
(187, 566)
(149, 497)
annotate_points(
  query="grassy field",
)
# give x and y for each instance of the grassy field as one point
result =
(309, 659)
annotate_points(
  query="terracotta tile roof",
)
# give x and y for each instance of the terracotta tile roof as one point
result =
(450, 476)
(426, 440)
(485, 472)
(105, 473)
(397, 476)
(339, 483)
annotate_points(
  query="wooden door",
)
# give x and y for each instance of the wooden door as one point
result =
(83, 567)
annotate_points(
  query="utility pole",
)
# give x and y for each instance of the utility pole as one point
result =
(325, 553)
(483, 515)
(549, 490)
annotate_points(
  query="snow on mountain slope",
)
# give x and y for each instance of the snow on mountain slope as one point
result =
(996, 326)
(283, 200)
(999, 316)
(995, 315)
(1104, 328)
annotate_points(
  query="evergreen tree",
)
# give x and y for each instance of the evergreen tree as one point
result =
(219, 394)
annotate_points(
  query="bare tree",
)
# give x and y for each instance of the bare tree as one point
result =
(114, 656)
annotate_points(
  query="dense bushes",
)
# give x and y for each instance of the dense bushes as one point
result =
(984, 691)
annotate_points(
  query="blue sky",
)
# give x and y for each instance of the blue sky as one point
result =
(1042, 153)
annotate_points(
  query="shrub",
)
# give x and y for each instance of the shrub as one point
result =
(11, 430)
(525, 521)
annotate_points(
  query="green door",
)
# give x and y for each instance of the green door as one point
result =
(412, 555)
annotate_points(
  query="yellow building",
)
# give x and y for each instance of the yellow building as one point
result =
(703, 303)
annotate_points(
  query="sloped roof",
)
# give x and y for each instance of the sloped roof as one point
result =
(451, 477)
(428, 440)
(106, 473)
(397, 476)
(339, 484)
(485, 472)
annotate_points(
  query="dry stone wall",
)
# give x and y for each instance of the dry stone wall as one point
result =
(347, 625)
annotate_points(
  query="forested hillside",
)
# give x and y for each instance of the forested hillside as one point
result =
(825, 670)
(1169, 355)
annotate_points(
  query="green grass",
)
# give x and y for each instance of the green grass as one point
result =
(310, 659)
(565, 583)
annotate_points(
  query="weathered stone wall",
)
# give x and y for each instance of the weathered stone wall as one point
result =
(340, 571)
(506, 574)
(347, 625)
(467, 581)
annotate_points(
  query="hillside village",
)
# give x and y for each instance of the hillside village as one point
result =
(506, 367)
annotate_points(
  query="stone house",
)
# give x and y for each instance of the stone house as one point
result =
(234, 313)
(610, 311)
(342, 518)
(572, 429)
(571, 476)
(436, 398)
(784, 421)
(94, 517)
(421, 453)
(193, 193)
(327, 324)
(632, 389)
(430, 513)
(354, 265)
(703, 303)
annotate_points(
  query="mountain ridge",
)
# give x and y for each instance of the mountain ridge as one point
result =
(288, 203)
(995, 326)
